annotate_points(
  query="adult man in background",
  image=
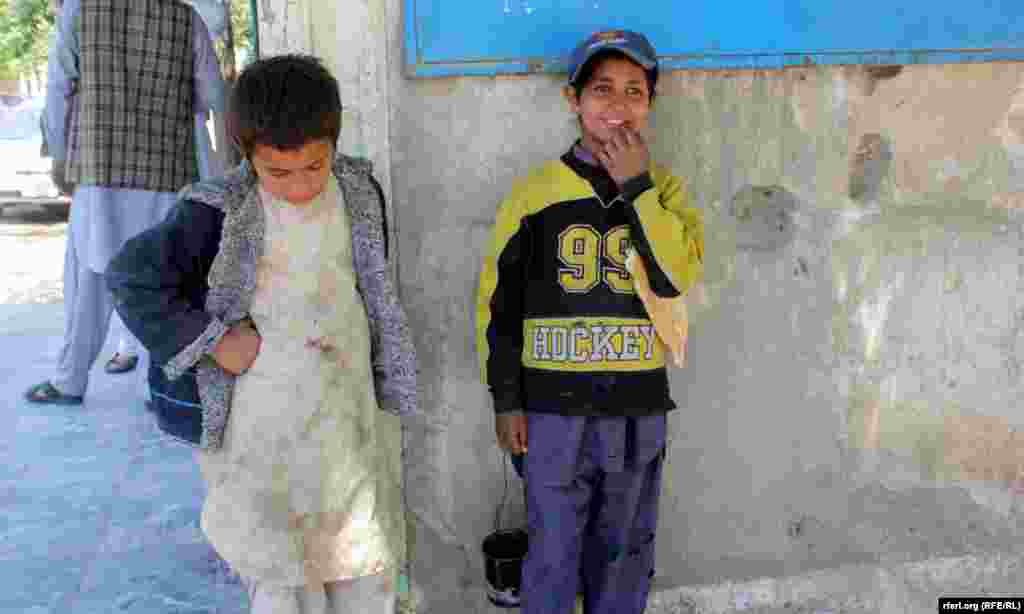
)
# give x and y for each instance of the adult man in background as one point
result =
(128, 82)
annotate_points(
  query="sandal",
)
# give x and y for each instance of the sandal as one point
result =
(121, 363)
(46, 393)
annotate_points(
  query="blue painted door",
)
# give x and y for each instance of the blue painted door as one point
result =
(508, 36)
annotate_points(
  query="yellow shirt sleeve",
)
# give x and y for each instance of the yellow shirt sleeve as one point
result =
(671, 232)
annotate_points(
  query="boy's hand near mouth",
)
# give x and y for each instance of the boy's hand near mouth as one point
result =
(625, 155)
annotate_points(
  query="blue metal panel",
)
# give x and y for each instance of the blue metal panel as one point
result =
(448, 37)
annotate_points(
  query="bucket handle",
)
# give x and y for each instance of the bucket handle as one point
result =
(504, 496)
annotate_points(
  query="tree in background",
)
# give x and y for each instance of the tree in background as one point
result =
(234, 48)
(24, 38)
(234, 51)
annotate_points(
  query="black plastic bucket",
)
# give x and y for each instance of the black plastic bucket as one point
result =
(504, 552)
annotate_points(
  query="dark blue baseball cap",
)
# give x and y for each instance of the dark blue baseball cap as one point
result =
(633, 44)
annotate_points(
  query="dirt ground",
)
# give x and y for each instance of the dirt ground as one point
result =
(31, 256)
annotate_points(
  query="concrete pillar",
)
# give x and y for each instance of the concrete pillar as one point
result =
(283, 26)
(350, 37)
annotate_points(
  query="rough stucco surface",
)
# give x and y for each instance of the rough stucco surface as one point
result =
(847, 437)
(855, 363)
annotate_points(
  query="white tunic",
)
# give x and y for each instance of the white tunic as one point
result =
(306, 486)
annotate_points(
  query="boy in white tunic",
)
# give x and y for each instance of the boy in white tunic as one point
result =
(305, 347)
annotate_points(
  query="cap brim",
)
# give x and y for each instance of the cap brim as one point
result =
(647, 64)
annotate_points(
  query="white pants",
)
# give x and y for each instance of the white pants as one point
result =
(88, 306)
(367, 595)
(88, 312)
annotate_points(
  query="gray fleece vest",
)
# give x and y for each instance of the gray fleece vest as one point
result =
(232, 281)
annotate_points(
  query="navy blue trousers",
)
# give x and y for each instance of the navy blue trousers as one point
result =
(592, 512)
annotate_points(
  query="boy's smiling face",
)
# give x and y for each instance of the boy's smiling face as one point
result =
(616, 97)
(295, 175)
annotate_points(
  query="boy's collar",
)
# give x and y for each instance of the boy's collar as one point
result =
(583, 163)
(583, 154)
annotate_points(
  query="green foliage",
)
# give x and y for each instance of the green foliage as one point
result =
(240, 30)
(24, 35)
(240, 23)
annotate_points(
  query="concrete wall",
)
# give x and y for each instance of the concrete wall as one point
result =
(848, 432)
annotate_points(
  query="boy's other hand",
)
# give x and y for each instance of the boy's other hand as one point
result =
(511, 432)
(625, 155)
(238, 348)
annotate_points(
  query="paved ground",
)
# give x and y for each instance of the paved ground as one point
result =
(99, 512)
(31, 256)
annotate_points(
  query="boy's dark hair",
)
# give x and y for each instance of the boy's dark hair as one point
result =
(283, 102)
(587, 72)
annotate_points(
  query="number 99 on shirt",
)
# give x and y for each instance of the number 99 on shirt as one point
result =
(591, 258)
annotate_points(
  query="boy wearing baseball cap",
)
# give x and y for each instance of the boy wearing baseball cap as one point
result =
(574, 363)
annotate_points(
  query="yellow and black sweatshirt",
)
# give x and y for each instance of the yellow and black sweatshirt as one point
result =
(559, 327)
